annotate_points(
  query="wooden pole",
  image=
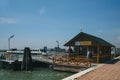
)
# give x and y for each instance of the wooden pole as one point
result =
(78, 52)
(27, 60)
(115, 52)
(69, 51)
(87, 51)
(110, 53)
(98, 56)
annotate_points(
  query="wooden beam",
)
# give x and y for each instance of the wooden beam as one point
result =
(115, 52)
(69, 51)
(110, 53)
(98, 51)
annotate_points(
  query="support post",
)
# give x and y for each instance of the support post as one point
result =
(78, 52)
(27, 60)
(9, 44)
(110, 53)
(98, 56)
(69, 51)
(115, 52)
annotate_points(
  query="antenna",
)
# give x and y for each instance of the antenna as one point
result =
(80, 29)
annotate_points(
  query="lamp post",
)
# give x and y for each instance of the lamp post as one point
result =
(57, 46)
(9, 41)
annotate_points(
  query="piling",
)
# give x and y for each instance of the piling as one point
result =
(27, 60)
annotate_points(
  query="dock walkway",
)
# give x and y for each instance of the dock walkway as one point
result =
(37, 58)
(108, 71)
(42, 59)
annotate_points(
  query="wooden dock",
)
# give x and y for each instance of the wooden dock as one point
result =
(37, 60)
(70, 64)
(56, 63)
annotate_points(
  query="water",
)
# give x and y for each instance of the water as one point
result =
(36, 74)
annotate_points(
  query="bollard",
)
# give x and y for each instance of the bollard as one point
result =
(27, 60)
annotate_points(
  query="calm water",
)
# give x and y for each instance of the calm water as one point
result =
(37, 74)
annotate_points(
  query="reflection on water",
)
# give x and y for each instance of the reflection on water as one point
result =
(37, 74)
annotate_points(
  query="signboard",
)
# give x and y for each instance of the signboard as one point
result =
(85, 43)
(77, 43)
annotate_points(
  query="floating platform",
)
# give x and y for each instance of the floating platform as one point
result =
(16, 64)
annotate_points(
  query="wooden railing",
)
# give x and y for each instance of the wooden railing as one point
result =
(71, 61)
(78, 61)
(102, 58)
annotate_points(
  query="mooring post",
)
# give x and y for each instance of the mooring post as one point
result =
(27, 60)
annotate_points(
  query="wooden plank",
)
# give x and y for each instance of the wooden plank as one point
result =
(98, 47)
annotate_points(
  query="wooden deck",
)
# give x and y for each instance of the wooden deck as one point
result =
(109, 71)
(70, 64)
(63, 62)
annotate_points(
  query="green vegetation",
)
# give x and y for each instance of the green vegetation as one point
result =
(3, 50)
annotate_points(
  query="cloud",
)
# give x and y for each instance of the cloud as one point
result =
(4, 20)
(42, 11)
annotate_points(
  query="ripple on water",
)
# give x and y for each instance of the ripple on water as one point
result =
(37, 74)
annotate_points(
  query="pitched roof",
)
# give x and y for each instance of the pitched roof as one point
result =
(93, 38)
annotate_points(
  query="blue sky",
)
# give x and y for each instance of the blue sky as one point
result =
(39, 23)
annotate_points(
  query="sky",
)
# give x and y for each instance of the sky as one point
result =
(39, 23)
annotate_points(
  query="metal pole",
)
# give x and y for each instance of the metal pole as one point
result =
(9, 41)
(57, 46)
(9, 44)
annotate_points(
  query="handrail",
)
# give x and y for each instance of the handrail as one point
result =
(71, 61)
